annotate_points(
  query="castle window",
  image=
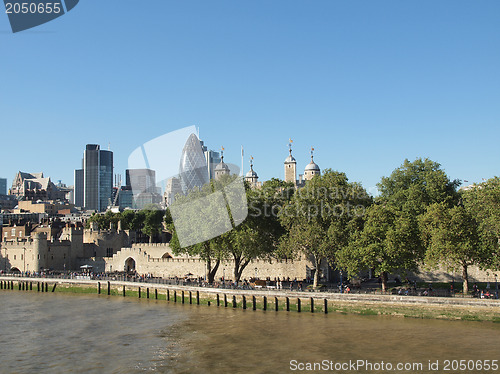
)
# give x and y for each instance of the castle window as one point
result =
(39, 257)
(14, 257)
(109, 252)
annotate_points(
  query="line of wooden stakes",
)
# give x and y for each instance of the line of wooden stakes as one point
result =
(184, 297)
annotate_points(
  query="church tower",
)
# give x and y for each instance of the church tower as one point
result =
(290, 166)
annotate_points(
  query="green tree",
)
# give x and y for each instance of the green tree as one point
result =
(387, 242)
(415, 185)
(199, 215)
(127, 217)
(153, 219)
(452, 238)
(258, 236)
(483, 203)
(319, 217)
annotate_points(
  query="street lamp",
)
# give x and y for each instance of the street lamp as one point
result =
(496, 287)
(341, 283)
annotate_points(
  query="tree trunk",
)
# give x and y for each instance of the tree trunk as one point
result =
(384, 281)
(211, 272)
(465, 278)
(316, 273)
(239, 266)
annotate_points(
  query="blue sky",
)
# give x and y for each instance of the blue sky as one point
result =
(366, 83)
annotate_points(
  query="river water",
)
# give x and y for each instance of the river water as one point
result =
(60, 333)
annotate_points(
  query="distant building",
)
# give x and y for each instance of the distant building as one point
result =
(97, 179)
(78, 195)
(212, 159)
(3, 186)
(172, 190)
(34, 186)
(142, 182)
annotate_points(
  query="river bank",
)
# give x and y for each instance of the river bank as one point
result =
(273, 300)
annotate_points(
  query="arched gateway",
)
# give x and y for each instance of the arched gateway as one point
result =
(130, 265)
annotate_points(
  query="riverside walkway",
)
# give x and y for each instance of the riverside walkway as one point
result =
(269, 293)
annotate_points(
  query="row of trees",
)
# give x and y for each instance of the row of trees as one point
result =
(419, 218)
(148, 221)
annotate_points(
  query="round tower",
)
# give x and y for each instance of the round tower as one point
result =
(252, 177)
(221, 168)
(312, 169)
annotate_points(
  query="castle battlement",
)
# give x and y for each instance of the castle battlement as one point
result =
(151, 245)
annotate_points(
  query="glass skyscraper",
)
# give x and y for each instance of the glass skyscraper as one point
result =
(193, 171)
(97, 181)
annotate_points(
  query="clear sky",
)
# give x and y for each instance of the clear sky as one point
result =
(366, 83)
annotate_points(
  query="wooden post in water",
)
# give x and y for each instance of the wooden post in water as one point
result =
(168, 294)
(218, 300)
(312, 305)
(123, 291)
(156, 294)
(276, 308)
(54, 288)
(244, 302)
(190, 297)
(287, 300)
(298, 305)
(254, 303)
(175, 296)
(109, 288)
(198, 297)
(46, 287)
(265, 303)
(11, 285)
(19, 284)
(182, 296)
(31, 286)
(22, 285)
(326, 306)
(234, 302)
(98, 288)
(147, 292)
(225, 301)
(1, 285)
(139, 292)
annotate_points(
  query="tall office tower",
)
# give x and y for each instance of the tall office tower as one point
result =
(193, 170)
(212, 159)
(142, 182)
(97, 175)
(79, 188)
(3, 186)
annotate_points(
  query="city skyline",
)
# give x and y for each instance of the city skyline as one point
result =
(367, 85)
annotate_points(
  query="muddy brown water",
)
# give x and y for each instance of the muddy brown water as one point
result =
(66, 333)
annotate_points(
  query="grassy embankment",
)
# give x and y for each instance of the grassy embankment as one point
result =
(426, 311)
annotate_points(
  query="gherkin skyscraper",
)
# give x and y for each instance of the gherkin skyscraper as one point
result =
(193, 171)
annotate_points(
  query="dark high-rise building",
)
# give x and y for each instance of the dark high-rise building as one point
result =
(79, 188)
(97, 180)
(3, 186)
